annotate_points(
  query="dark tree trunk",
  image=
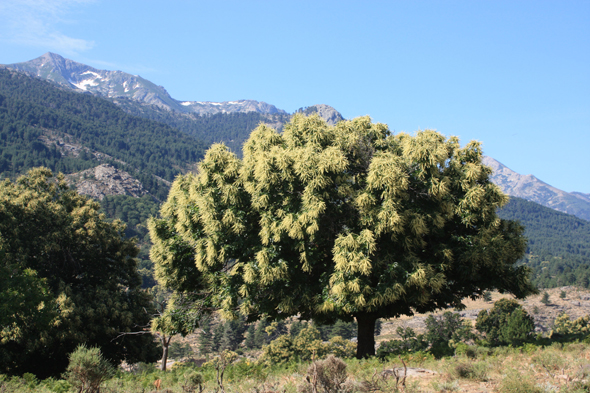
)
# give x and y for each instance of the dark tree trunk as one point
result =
(365, 346)
(165, 344)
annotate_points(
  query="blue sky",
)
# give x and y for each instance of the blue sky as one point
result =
(514, 75)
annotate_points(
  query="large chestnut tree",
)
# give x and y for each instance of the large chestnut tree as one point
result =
(341, 222)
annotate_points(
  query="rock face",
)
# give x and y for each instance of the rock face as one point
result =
(532, 189)
(105, 180)
(326, 112)
(117, 84)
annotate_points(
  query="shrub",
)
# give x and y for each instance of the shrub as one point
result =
(545, 298)
(278, 351)
(341, 348)
(87, 369)
(306, 345)
(475, 371)
(466, 350)
(518, 383)
(506, 323)
(327, 376)
(192, 381)
(564, 326)
(410, 342)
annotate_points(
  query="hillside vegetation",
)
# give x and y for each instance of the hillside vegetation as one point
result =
(559, 243)
(43, 125)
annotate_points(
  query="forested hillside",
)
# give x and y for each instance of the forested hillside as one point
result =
(230, 128)
(559, 243)
(42, 124)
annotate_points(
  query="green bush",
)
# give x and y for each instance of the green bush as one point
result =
(476, 371)
(307, 345)
(87, 369)
(506, 323)
(410, 342)
(443, 334)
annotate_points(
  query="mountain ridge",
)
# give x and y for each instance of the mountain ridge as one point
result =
(533, 189)
(118, 84)
(236, 119)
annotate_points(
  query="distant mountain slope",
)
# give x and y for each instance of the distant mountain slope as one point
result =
(532, 189)
(559, 243)
(118, 84)
(229, 122)
(41, 124)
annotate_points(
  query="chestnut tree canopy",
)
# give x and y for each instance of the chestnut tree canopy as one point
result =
(341, 222)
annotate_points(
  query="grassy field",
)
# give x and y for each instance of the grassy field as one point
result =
(554, 368)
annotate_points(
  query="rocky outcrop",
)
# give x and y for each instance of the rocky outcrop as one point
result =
(326, 112)
(105, 180)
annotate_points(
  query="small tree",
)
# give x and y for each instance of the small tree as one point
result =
(87, 369)
(545, 298)
(562, 295)
(205, 340)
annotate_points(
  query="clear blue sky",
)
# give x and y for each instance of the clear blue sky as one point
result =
(514, 75)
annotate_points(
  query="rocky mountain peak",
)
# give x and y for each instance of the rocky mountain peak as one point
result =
(118, 84)
(326, 112)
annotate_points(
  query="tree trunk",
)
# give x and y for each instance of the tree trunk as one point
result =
(365, 346)
(165, 344)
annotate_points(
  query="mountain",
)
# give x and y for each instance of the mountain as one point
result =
(42, 124)
(118, 84)
(229, 122)
(532, 189)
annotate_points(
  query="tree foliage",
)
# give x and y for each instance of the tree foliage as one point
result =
(339, 222)
(81, 273)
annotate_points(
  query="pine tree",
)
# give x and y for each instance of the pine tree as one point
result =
(217, 337)
(545, 298)
(205, 340)
(250, 341)
(260, 336)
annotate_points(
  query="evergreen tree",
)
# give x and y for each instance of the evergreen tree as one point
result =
(205, 340)
(232, 335)
(296, 327)
(378, 325)
(217, 337)
(260, 335)
(250, 342)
